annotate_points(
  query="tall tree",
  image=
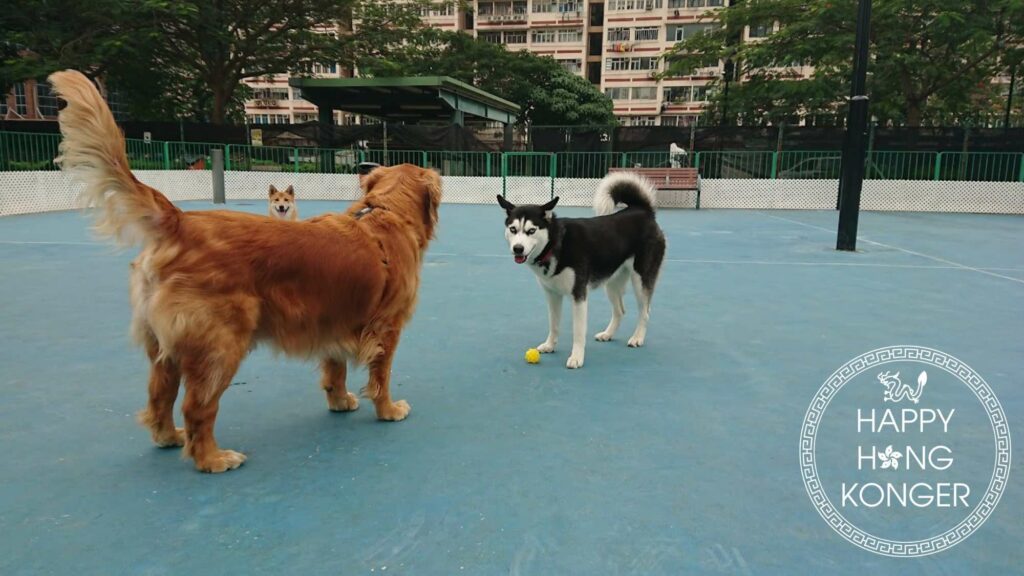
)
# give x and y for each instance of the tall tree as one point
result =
(931, 59)
(219, 43)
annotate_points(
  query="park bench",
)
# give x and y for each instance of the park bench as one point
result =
(669, 178)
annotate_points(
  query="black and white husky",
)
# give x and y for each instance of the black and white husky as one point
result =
(572, 255)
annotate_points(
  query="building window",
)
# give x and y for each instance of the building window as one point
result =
(305, 117)
(640, 120)
(646, 34)
(270, 94)
(615, 5)
(296, 94)
(618, 34)
(677, 94)
(700, 94)
(3, 106)
(695, 3)
(687, 120)
(46, 102)
(319, 68)
(543, 36)
(617, 93)
(616, 64)
(540, 6)
(641, 63)
(442, 9)
(515, 37)
(645, 93)
(268, 119)
(570, 35)
(760, 31)
(684, 31)
(485, 9)
(490, 37)
(572, 66)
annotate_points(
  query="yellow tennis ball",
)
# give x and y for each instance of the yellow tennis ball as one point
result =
(533, 356)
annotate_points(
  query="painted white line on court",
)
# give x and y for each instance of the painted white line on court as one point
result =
(767, 262)
(905, 250)
(42, 243)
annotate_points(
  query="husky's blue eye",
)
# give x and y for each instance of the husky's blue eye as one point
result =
(512, 229)
(530, 232)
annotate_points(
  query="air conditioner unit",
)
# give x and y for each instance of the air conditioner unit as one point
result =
(675, 13)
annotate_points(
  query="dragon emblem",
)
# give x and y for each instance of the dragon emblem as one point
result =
(896, 390)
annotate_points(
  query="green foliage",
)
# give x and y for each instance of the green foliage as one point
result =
(392, 40)
(932, 60)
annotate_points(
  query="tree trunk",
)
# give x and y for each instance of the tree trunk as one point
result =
(913, 114)
(221, 96)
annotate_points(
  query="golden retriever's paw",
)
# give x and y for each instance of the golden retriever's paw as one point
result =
(173, 439)
(395, 412)
(546, 348)
(346, 404)
(220, 461)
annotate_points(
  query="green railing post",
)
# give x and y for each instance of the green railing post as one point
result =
(775, 164)
(938, 165)
(696, 161)
(622, 161)
(167, 155)
(424, 156)
(227, 157)
(295, 151)
(487, 160)
(1020, 177)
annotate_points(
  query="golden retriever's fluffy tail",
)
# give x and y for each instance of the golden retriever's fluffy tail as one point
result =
(93, 150)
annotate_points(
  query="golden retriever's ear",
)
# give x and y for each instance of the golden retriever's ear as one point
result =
(272, 190)
(290, 191)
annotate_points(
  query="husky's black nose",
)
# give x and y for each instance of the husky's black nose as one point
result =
(517, 249)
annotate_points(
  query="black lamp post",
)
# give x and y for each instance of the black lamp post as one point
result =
(727, 73)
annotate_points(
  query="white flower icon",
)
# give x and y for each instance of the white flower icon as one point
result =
(890, 458)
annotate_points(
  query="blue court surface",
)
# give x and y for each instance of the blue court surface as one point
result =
(681, 457)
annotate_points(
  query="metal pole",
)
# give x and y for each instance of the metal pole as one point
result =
(852, 178)
(218, 175)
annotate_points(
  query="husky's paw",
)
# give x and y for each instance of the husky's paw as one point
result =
(546, 348)
(635, 341)
(575, 361)
(603, 336)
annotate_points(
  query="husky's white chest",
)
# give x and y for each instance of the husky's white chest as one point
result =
(560, 283)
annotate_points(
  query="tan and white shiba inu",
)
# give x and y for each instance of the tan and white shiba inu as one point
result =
(282, 204)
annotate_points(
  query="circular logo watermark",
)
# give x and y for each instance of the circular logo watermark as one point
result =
(905, 451)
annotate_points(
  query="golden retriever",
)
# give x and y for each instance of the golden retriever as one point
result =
(208, 286)
(281, 203)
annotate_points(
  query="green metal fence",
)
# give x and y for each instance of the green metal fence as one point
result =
(26, 151)
(735, 164)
